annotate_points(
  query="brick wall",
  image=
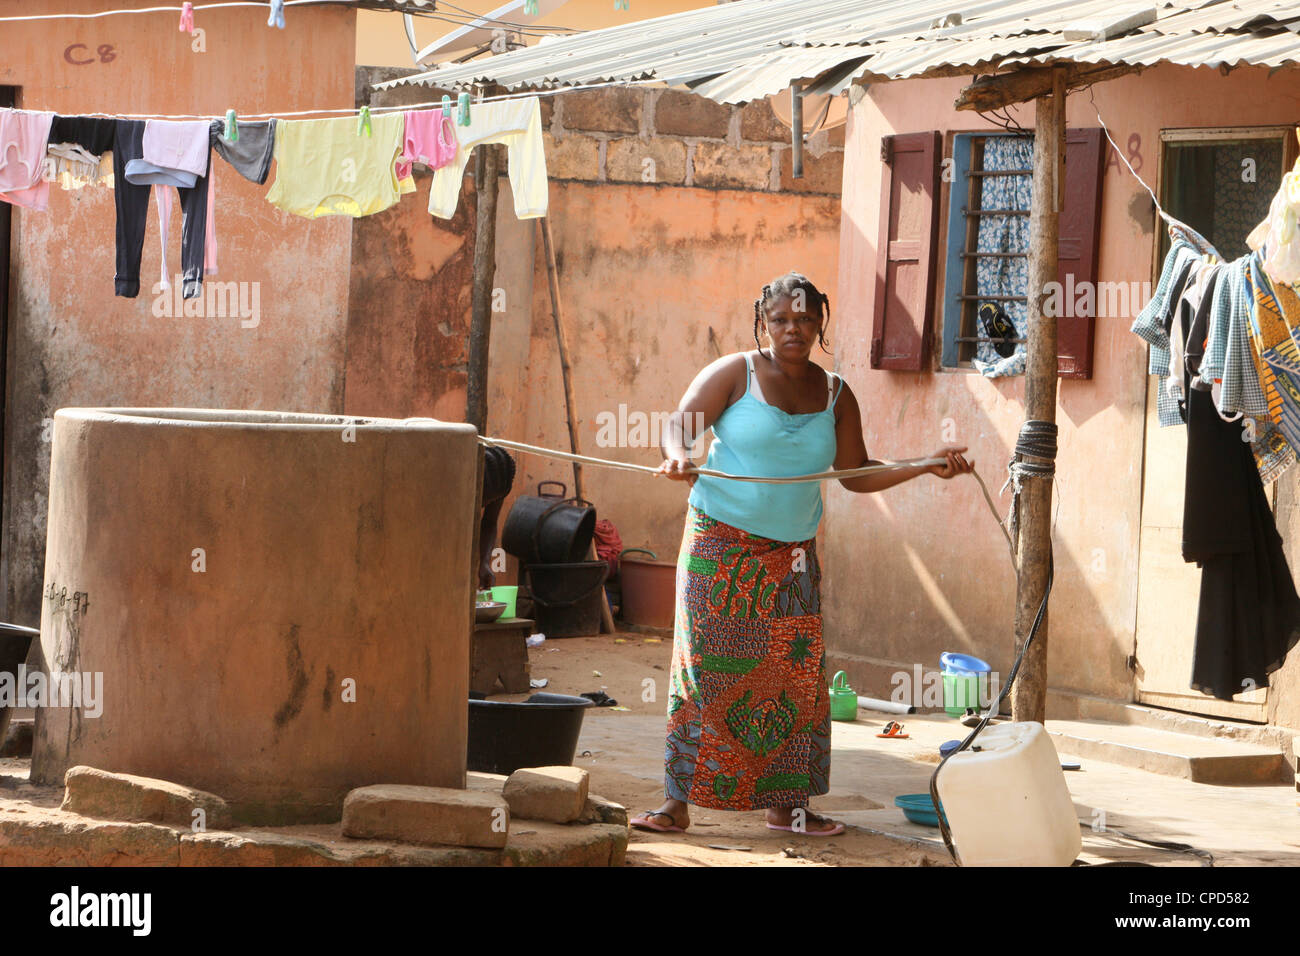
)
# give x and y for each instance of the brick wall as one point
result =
(660, 137)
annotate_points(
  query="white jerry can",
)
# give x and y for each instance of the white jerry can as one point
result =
(1007, 803)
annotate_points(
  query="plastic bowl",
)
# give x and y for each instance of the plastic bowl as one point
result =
(919, 808)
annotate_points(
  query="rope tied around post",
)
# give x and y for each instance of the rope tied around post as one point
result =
(1034, 457)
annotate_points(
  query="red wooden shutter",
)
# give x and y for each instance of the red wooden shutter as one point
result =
(1080, 234)
(909, 220)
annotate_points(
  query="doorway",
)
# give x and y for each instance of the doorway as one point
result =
(8, 98)
(1220, 182)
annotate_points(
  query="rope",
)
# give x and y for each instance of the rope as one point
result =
(709, 472)
(353, 110)
(819, 476)
(1037, 440)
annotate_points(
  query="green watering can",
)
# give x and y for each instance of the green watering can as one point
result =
(844, 699)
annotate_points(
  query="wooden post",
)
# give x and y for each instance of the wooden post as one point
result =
(570, 407)
(485, 254)
(1029, 695)
(562, 343)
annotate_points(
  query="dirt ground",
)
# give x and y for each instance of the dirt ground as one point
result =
(623, 751)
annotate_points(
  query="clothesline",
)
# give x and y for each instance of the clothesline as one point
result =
(352, 111)
(167, 9)
(460, 15)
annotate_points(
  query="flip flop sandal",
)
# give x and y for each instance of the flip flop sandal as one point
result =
(643, 822)
(833, 831)
(894, 729)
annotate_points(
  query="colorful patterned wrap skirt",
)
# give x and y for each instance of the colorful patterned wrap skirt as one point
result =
(748, 711)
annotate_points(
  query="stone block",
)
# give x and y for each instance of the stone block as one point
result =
(687, 114)
(48, 837)
(546, 844)
(123, 796)
(572, 157)
(557, 794)
(600, 810)
(733, 167)
(426, 815)
(477, 780)
(610, 109)
(626, 161)
(821, 174)
(759, 124)
(261, 848)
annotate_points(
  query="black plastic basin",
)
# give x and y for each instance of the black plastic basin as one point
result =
(541, 731)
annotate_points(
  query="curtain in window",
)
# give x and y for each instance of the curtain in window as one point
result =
(1002, 276)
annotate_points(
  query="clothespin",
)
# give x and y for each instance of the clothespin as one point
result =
(530, 7)
(620, 4)
(276, 19)
(462, 109)
(232, 127)
(187, 17)
(446, 106)
(363, 122)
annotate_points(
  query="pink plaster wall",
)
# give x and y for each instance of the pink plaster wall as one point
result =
(922, 569)
(646, 272)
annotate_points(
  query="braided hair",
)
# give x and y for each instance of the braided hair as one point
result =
(787, 285)
(498, 473)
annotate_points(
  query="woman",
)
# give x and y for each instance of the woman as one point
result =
(748, 712)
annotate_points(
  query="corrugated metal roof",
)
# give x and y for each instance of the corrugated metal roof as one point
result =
(746, 50)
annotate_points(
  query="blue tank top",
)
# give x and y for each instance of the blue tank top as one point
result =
(752, 437)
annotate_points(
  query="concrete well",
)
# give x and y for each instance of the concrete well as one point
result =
(279, 604)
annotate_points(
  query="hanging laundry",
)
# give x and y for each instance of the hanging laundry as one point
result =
(94, 134)
(1248, 615)
(74, 168)
(1275, 315)
(251, 153)
(171, 144)
(131, 194)
(429, 138)
(1278, 236)
(323, 168)
(164, 198)
(1229, 364)
(1154, 321)
(517, 124)
(23, 137)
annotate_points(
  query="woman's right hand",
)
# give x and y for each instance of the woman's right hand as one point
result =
(678, 469)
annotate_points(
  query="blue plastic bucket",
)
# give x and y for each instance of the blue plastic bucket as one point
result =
(961, 682)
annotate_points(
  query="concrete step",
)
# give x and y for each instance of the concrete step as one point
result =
(1192, 757)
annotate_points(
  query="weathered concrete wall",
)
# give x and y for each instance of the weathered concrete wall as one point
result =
(238, 635)
(71, 342)
(921, 569)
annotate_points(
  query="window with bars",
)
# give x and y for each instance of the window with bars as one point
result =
(984, 318)
(974, 257)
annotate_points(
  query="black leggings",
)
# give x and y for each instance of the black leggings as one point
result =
(132, 203)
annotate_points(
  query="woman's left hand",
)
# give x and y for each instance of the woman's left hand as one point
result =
(954, 465)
